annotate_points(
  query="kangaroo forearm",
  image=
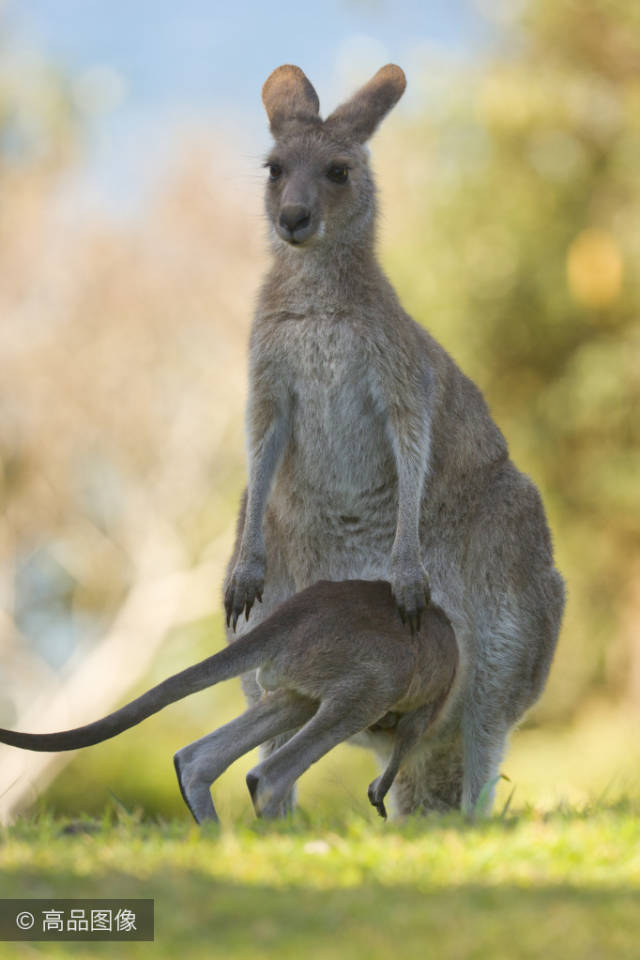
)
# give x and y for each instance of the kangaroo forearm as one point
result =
(412, 463)
(409, 582)
(264, 462)
(407, 537)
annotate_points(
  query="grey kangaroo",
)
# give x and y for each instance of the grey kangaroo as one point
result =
(372, 456)
(331, 660)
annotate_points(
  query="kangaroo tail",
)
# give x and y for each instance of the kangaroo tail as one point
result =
(246, 653)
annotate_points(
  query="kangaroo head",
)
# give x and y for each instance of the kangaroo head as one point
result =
(320, 186)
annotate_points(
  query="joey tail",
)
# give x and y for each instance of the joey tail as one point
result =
(246, 653)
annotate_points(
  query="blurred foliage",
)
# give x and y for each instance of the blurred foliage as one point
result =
(515, 240)
(120, 440)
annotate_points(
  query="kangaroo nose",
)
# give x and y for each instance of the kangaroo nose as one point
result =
(294, 216)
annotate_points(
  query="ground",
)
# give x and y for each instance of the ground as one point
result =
(527, 884)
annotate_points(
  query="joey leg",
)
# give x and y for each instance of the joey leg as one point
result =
(409, 729)
(335, 721)
(278, 588)
(203, 761)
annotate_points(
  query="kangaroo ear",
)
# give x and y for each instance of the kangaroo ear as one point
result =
(288, 95)
(360, 115)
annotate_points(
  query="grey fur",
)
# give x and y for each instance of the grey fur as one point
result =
(372, 456)
(396, 684)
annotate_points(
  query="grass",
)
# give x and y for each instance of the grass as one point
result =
(563, 883)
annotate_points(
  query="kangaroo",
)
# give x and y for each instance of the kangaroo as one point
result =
(331, 661)
(372, 456)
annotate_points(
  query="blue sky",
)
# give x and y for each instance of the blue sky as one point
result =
(166, 62)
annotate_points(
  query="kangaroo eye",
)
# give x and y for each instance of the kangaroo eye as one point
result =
(275, 171)
(338, 173)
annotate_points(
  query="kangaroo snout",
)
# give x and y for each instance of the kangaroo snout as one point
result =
(294, 223)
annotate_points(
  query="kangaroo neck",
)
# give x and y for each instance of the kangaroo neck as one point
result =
(324, 275)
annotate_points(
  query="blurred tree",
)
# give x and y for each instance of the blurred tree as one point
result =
(520, 249)
(38, 132)
(120, 443)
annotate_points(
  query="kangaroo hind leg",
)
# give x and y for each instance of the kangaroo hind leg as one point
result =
(409, 730)
(203, 761)
(336, 720)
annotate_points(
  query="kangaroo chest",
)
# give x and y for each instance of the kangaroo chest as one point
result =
(338, 445)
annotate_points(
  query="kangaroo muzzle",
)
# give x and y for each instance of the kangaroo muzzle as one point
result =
(295, 223)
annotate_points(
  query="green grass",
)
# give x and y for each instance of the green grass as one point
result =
(563, 883)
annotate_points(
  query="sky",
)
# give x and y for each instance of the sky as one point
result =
(149, 66)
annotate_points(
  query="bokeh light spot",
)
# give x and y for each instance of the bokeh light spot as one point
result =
(594, 268)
